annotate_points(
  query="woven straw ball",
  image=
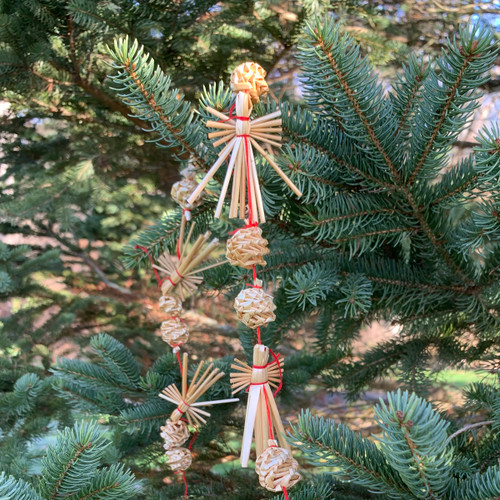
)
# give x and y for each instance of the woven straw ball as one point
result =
(254, 307)
(182, 190)
(179, 459)
(250, 77)
(174, 332)
(174, 434)
(171, 305)
(276, 468)
(247, 247)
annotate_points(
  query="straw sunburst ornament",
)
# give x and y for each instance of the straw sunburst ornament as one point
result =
(182, 269)
(187, 399)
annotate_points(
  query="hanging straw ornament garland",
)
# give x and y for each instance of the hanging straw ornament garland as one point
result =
(242, 135)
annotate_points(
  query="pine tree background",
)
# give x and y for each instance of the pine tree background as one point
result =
(390, 229)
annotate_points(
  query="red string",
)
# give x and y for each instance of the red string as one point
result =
(269, 421)
(277, 361)
(285, 494)
(193, 439)
(145, 250)
(247, 159)
(185, 482)
(179, 360)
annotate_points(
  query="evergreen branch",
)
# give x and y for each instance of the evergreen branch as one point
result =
(16, 489)
(325, 443)
(442, 117)
(141, 80)
(414, 435)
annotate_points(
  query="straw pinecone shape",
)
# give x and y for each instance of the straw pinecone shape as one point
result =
(250, 77)
(179, 459)
(174, 332)
(170, 304)
(174, 434)
(276, 468)
(247, 247)
(254, 307)
(182, 190)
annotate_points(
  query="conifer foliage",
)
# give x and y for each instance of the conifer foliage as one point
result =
(379, 233)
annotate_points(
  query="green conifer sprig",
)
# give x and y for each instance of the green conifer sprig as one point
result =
(417, 456)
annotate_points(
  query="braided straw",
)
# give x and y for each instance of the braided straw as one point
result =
(250, 77)
(276, 467)
(179, 459)
(174, 434)
(174, 332)
(254, 307)
(170, 304)
(247, 247)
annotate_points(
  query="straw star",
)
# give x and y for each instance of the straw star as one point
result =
(187, 399)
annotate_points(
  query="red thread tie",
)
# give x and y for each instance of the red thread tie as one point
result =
(146, 251)
(285, 494)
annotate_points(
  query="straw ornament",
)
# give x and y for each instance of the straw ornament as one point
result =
(246, 248)
(186, 400)
(259, 378)
(183, 272)
(179, 459)
(174, 434)
(254, 307)
(250, 77)
(170, 304)
(276, 468)
(174, 332)
(183, 189)
(241, 135)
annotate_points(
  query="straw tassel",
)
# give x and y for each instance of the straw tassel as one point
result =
(259, 378)
(241, 134)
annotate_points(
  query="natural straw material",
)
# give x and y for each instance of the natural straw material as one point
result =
(246, 248)
(276, 468)
(174, 434)
(258, 378)
(254, 307)
(182, 274)
(250, 77)
(174, 332)
(183, 189)
(170, 304)
(186, 399)
(240, 136)
(179, 459)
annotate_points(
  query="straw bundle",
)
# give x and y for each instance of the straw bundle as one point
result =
(259, 377)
